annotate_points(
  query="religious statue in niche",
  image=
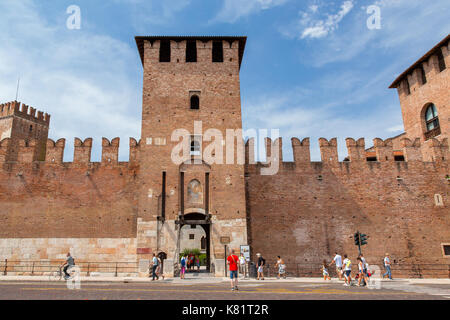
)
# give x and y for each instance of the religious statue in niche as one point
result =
(194, 192)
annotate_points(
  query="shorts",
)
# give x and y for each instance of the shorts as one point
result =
(260, 269)
(183, 269)
(347, 272)
(325, 273)
(233, 274)
(339, 269)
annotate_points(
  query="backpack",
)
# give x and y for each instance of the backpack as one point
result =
(263, 261)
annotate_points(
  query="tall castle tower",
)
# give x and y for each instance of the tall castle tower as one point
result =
(20, 124)
(424, 93)
(190, 83)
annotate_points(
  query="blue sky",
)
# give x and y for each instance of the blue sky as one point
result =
(311, 68)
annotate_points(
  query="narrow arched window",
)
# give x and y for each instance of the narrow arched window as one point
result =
(432, 122)
(195, 102)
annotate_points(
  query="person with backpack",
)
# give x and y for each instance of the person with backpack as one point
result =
(232, 262)
(183, 266)
(154, 267)
(260, 266)
(347, 264)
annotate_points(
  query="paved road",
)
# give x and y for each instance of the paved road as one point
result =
(192, 290)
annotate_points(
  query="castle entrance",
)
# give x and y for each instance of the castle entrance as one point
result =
(195, 231)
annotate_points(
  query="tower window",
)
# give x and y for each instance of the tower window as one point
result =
(164, 51)
(408, 89)
(31, 128)
(191, 51)
(441, 60)
(195, 102)
(423, 75)
(432, 122)
(195, 145)
(217, 51)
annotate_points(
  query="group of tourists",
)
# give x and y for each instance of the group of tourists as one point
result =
(344, 269)
(188, 262)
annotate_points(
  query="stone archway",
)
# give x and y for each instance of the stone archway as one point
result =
(198, 220)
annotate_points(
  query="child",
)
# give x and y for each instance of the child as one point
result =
(326, 275)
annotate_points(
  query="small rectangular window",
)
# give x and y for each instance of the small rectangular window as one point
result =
(446, 249)
(408, 89)
(191, 236)
(191, 51)
(441, 60)
(164, 51)
(217, 51)
(423, 75)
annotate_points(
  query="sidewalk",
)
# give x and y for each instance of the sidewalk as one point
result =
(214, 280)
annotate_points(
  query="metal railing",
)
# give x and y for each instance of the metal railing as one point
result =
(42, 267)
(398, 270)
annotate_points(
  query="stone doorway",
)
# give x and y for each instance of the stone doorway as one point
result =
(195, 231)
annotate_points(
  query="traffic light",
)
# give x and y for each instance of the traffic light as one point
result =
(356, 237)
(363, 238)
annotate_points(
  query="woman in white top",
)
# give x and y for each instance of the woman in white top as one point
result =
(281, 268)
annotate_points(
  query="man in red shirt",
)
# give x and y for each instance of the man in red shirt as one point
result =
(232, 261)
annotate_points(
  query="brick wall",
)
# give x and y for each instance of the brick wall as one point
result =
(53, 199)
(310, 209)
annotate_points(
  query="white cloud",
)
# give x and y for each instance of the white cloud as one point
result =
(85, 81)
(311, 26)
(410, 27)
(233, 10)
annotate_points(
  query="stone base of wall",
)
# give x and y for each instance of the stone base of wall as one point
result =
(40, 255)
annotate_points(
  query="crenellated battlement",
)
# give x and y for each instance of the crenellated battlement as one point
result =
(54, 153)
(356, 150)
(357, 153)
(15, 108)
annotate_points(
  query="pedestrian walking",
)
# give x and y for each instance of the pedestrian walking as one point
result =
(242, 265)
(281, 268)
(183, 266)
(362, 272)
(365, 265)
(387, 266)
(326, 274)
(260, 266)
(154, 266)
(197, 262)
(338, 261)
(158, 268)
(232, 262)
(347, 265)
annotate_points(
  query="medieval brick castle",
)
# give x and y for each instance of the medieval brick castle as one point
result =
(397, 192)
